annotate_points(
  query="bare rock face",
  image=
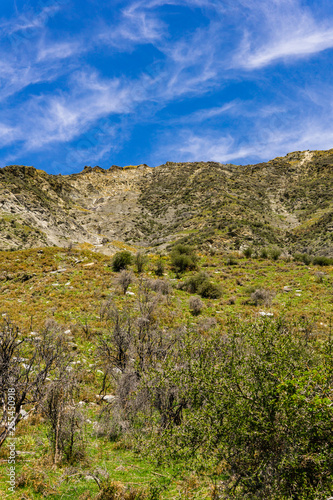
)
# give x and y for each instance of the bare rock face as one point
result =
(286, 201)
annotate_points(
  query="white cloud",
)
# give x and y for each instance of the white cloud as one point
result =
(64, 117)
(192, 63)
(137, 26)
(280, 30)
(61, 50)
(261, 145)
(30, 20)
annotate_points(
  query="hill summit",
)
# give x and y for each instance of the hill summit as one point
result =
(285, 202)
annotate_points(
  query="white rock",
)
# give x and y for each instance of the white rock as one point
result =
(58, 271)
(263, 313)
(108, 398)
(24, 414)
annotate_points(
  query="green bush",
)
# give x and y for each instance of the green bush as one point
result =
(200, 283)
(231, 261)
(302, 257)
(193, 283)
(209, 290)
(247, 252)
(121, 260)
(264, 253)
(268, 427)
(274, 253)
(322, 261)
(159, 269)
(183, 257)
(140, 261)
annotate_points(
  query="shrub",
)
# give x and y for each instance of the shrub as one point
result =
(319, 277)
(262, 296)
(183, 257)
(209, 290)
(140, 262)
(199, 283)
(193, 283)
(159, 270)
(275, 253)
(247, 252)
(124, 280)
(231, 261)
(264, 253)
(302, 257)
(113, 490)
(322, 261)
(160, 286)
(206, 324)
(196, 305)
(121, 260)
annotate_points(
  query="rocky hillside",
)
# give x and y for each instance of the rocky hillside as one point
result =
(286, 202)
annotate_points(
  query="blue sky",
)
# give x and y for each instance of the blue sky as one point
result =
(149, 81)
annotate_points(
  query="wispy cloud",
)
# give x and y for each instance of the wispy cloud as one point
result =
(31, 20)
(59, 50)
(285, 31)
(261, 144)
(224, 44)
(63, 117)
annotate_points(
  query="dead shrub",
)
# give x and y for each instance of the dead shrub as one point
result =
(196, 305)
(124, 280)
(160, 286)
(261, 296)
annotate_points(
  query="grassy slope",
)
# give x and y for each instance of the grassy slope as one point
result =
(32, 290)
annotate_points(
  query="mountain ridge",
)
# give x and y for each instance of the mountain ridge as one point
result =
(285, 202)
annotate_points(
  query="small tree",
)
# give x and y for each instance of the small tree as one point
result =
(121, 260)
(258, 408)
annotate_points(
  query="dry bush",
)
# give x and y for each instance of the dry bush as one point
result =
(25, 364)
(261, 296)
(160, 286)
(196, 305)
(64, 418)
(124, 280)
(206, 324)
(114, 490)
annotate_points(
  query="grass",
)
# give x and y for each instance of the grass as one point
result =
(69, 286)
